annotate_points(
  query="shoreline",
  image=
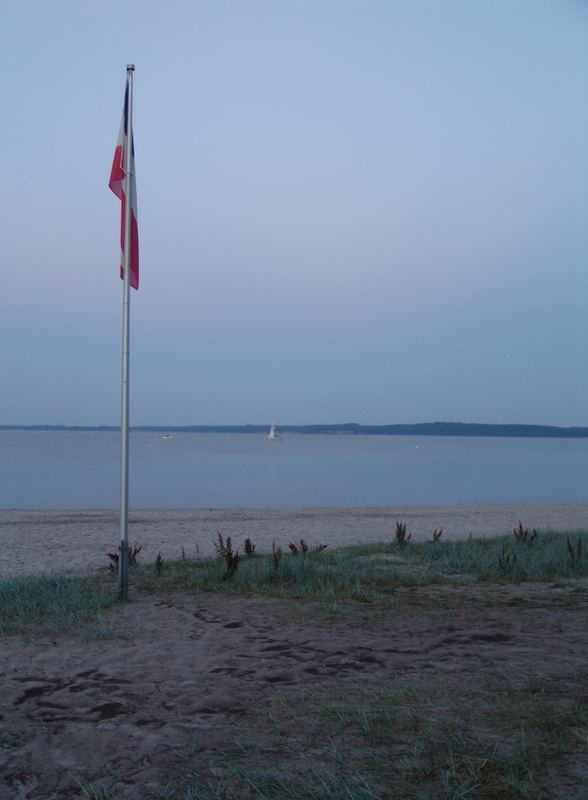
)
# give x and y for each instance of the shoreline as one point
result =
(37, 541)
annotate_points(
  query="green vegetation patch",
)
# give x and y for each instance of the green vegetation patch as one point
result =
(48, 603)
(372, 573)
(478, 737)
(369, 574)
(544, 557)
(321, 577)
(515, 558)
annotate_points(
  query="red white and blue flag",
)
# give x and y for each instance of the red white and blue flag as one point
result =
(117, 184)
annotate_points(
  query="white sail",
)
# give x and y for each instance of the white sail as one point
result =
(272, 435)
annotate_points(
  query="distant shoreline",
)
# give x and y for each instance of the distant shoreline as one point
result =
(349, 429)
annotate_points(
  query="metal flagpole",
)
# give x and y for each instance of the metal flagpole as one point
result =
(123, 561)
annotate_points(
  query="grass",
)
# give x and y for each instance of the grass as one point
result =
(321, 577)
(500, 558)
(369, 574)
(548, 558)
(50, 603)
(414, 741)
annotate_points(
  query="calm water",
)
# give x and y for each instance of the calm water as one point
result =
(81, 470)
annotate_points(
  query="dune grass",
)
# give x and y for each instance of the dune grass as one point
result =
(548, 557)
(50, 603)
(416, 740)
(321, 577)
(372, 573)
(369, 574)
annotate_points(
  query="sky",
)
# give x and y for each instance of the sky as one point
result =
(349, 211)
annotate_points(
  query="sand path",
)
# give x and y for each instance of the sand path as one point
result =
(185, 678)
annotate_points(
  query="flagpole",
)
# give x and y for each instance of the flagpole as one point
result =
(123, 561)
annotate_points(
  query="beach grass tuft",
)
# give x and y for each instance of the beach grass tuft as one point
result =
(49, 603)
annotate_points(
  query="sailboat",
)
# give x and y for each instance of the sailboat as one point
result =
(272, 435)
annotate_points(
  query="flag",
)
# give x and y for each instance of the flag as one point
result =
(117, 185)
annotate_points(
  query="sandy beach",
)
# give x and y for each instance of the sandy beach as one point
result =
(185, 694)
(36, 541)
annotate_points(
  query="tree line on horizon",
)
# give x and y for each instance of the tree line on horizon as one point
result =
(349, 428)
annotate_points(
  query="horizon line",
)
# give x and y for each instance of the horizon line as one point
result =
(350, 426)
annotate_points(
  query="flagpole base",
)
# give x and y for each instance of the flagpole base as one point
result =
(123, 573)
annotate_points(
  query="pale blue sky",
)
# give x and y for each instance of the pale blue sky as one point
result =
(348, 211)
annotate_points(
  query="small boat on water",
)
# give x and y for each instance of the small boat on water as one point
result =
(167, 436)
(272, 435)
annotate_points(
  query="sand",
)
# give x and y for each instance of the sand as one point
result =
(63, 540)
(215, 692)
(192, 687)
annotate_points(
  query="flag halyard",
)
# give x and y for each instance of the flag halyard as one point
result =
(117, 185)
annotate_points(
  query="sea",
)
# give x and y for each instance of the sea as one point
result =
(81, 469)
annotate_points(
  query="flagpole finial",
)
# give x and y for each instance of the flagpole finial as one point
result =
(130, 67)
